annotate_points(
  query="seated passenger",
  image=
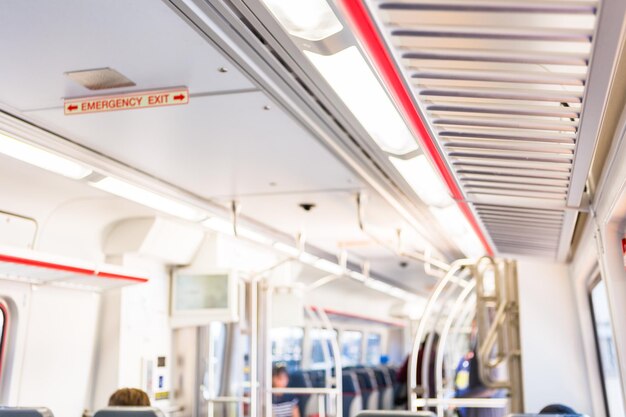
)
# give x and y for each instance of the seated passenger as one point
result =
(283, 405)
(129, 397)
(557, 409)
(468, 384)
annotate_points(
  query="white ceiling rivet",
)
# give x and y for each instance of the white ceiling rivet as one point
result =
(222, 69)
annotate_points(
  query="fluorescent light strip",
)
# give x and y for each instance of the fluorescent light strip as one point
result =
(286, 249)
(41, 158)
(150, 199)
(350, 76)
(219, 225)
(330, 267)
(422, 178)
(226, 227)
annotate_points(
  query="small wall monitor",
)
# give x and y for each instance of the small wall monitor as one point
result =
(200, 298)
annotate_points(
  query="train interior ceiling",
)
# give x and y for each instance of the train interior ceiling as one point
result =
(406, 205)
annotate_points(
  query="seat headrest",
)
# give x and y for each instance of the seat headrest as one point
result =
(349, 383)
(129, 412)
(25, 412)
(395, 413)
(548, 415)
(299, 380)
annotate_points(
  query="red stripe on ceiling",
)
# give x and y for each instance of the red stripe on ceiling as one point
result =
(358, 316)
(67, 268)
(368, 34)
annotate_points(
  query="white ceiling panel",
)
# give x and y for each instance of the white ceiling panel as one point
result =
(215, 146)
(142, 39)
(333, 223)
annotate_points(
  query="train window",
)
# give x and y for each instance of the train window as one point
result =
(287, 346)
(607, 354)
(373, 349)
(351, 341)
(320, 340)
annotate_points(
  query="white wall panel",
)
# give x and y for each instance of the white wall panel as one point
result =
(553, 360)
(58, 351)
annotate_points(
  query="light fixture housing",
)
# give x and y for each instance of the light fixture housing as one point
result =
(313, 20)
(150, 199)
(349, 74)
(41, 158)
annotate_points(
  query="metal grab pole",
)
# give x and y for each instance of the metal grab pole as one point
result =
(442, 342)
(334, 344)
(412, 374)
(254, 347)
(428, 346)
(255, 280)
(267, 368)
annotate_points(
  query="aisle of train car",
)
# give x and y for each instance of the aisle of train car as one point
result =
(312, 208)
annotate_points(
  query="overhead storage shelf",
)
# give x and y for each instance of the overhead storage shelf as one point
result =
(46, 269)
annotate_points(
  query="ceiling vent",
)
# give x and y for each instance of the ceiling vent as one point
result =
(501, 85)
(100, 78)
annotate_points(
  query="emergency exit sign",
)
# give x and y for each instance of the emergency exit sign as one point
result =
(127, 101)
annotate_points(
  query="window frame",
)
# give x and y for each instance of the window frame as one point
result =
(593, 282)
(4, 310)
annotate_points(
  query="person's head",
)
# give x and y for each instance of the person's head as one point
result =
(280, 376)
(557, 409)
(129, 397)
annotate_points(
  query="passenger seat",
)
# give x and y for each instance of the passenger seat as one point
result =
(352, 400)
(129, 412)
(385, 388)
(369, 388)
(25, 412)
(306, 402)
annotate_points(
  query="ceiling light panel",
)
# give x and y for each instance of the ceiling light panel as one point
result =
(41, 158)
(501, 85)
(150, 199)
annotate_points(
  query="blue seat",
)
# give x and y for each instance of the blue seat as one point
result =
(25, 412)
(318, 378)
(129, 412)
(300, 379)
(396, 413)
(385, 388)
(352, 400)
(369, 388)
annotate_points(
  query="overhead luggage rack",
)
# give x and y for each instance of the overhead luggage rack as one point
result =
(502, 87)
(46, 269)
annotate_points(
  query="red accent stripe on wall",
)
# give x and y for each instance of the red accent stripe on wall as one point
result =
(369, 36)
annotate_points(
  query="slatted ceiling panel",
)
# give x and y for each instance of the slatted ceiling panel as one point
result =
(501, 85)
